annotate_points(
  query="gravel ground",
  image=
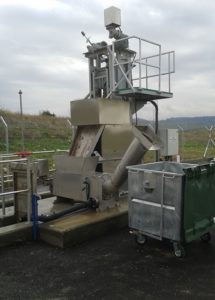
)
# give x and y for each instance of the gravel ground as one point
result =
(109, 267)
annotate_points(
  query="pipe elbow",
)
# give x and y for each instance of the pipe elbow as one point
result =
(109, 187)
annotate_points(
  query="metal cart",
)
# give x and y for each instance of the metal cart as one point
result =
(174, 201)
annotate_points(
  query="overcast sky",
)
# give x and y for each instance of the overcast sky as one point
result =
(41, 50)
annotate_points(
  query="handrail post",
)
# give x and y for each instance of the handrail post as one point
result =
(146, 73)
(173, 61)
(2, 189)
(140, 56)
(169, 72)
(159, 81)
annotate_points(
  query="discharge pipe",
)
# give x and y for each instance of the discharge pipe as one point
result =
(132, 156)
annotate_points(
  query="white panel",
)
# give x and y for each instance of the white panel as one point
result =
(169, 139)
(112, 15)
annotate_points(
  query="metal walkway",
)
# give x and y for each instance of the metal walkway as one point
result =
(144, 94)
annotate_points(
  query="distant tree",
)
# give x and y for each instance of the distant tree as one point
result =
(47, 113)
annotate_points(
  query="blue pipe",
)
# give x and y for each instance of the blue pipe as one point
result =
(35, 216)
(78, 207)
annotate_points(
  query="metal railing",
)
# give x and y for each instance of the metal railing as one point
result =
(210, 139)
(3, 194)
(170, 69)
(138, 74)
(7, 179)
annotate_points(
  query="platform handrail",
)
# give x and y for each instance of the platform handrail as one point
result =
(141, 61)
(13, 192)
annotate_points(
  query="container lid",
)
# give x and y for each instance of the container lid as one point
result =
(164, 167)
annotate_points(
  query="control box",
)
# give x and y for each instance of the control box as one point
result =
(170, 144)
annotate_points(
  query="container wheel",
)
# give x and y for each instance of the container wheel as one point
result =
(140, 239)
(179, 250)
(206, 237)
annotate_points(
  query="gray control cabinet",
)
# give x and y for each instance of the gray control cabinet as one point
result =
(169, 138)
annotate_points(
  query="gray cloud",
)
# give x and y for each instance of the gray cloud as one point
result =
(41, 50)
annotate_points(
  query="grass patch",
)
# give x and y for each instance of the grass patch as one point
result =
(51, 133)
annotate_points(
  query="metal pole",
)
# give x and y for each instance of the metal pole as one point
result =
(210, 140)
(169, 72)
(112, 68)
(94, 90)
(182, 141)
(90, 78)
(22, 123)
(34, 216)
(159, 83)
(29, 193)
(140, 63)
(2, 190)
(6, 134)
(173, 61)
(146, 73)
(157, 155)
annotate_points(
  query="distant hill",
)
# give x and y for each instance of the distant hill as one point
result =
(187, 123)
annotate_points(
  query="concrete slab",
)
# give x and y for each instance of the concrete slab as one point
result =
(15, 233)
(7, 220)
(49, 206)
(77, 228)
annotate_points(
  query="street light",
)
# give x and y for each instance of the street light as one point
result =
(22, 122)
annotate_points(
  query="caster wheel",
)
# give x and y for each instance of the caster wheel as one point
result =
(140, 239)
(205, 238)
(179, 250)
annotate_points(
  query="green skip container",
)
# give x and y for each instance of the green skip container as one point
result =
(174, 201)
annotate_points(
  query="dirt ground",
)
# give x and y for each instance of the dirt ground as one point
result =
(109, 267)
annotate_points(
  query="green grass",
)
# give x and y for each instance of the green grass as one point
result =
(40, 132)
(193, 143)
(51, 133)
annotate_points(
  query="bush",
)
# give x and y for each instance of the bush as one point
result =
(47, 113)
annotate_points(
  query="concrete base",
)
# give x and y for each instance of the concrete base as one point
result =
(7, 220)
(74, 229)
(9, 217)
(15, 233)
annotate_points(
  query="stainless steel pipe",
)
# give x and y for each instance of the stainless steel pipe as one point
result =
(132, 156)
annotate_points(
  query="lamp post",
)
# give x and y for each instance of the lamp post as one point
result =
(22, 123)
